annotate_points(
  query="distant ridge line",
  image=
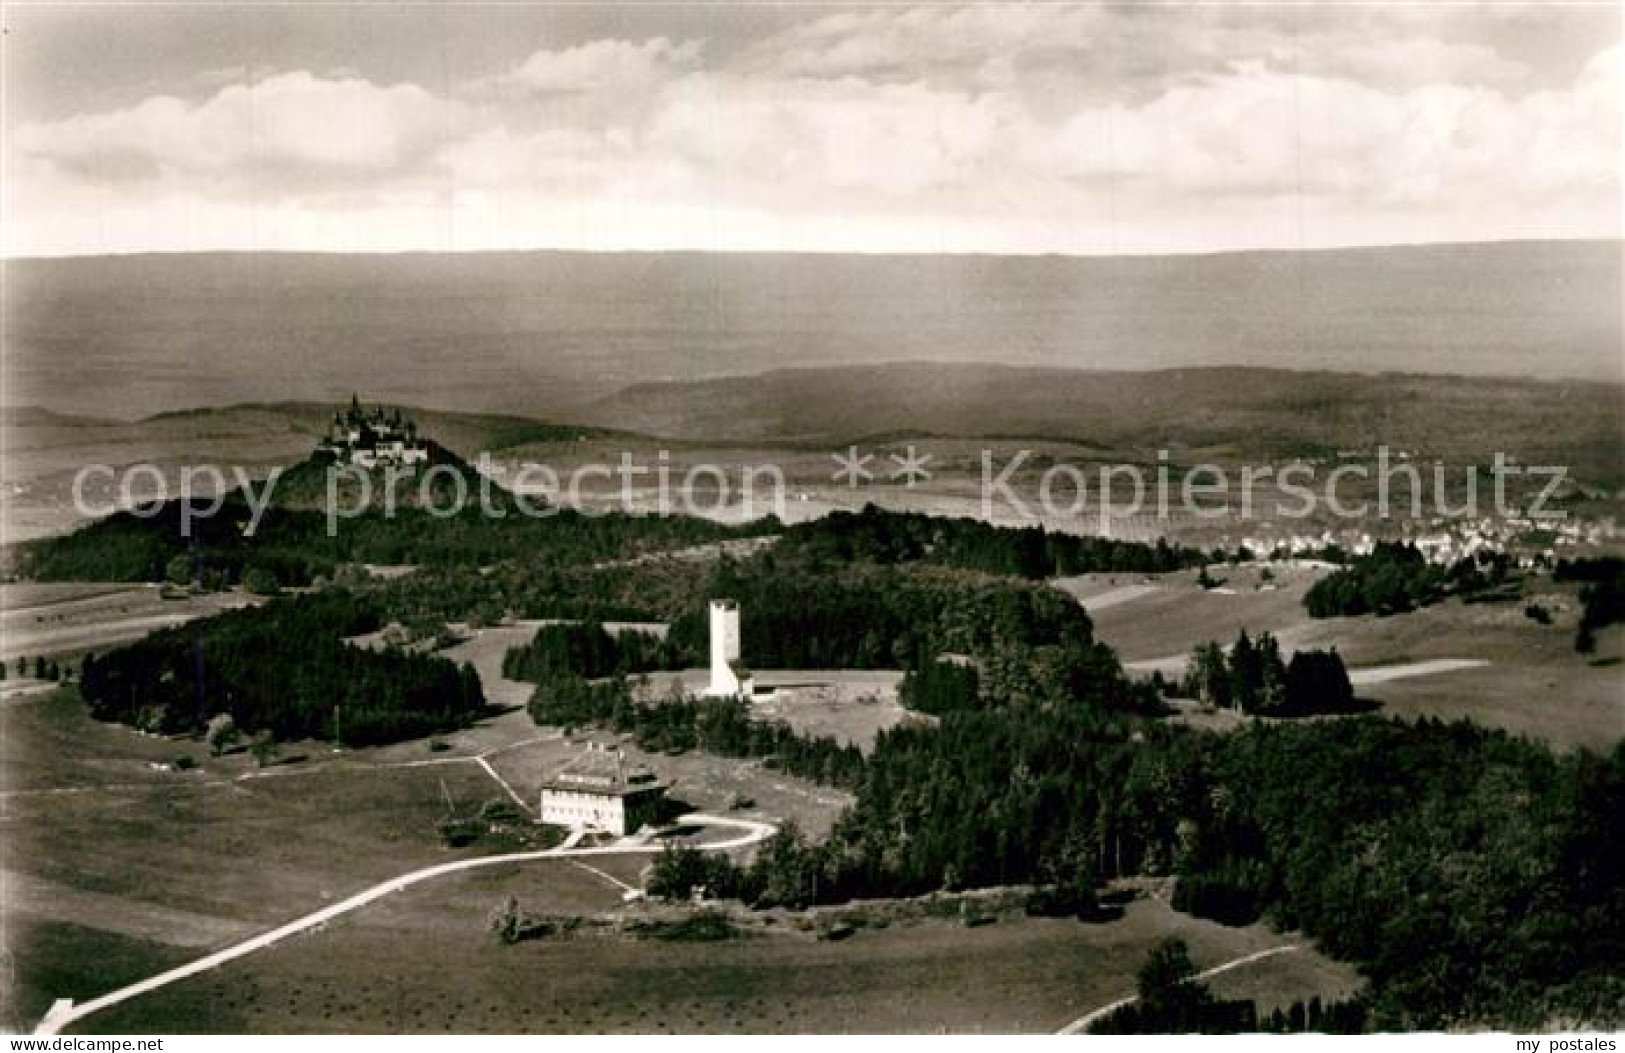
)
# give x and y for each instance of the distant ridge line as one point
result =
(1400, 246)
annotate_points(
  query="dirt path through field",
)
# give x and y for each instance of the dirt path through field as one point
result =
(1382, 674)
(1175, 665)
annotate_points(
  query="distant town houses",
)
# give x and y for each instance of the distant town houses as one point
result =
(1445, 540)
(373, 439)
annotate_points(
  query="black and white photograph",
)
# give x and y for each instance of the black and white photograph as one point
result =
(792, 518)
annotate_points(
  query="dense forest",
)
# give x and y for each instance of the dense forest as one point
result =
(1396, 577)
(865, 617)
(878, 536)
(283, 669)
(296, 546)
(585, 649)
(1473, 877)
(546, 581)
(940, 684)
(1032, 640)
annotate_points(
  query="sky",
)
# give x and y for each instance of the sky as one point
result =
(1050, 128)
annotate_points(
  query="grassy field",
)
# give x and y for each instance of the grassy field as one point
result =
(425, 963)
(1170, 614)
(111, 859)
(849, 705)
(1533, 683)
(118, 859)
(486, 648)
(145, 871)
(66, 619)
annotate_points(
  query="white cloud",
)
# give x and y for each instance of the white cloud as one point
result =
(1039, 128)
(290, 122)
(1127, 53)
(1260, 133)
(602, 65)
(826, 136)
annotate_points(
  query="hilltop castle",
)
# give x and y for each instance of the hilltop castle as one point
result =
(373, 440)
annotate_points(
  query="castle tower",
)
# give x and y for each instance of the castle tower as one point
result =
(726, 681)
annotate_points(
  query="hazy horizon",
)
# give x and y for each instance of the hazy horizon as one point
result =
(548, 333)
(1244, 250)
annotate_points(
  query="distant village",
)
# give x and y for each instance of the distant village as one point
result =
(1445, 540)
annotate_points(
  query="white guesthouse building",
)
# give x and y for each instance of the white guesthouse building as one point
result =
(600, 791)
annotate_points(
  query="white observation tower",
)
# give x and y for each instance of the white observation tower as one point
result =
(728, 677)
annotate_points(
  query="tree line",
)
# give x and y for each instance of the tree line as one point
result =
(587, 650)
(1470, 875)
(1253, 678)
(41, 668)
(724, 727)
(542, 583)
(1171, 1000)
(1395, 577)
(874, 535)
(293, 547)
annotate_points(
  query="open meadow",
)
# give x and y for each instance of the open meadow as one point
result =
(135, 852)
(66, 619)
(851, 706)
(1150, 618)
(1488, 662)
(426, 962)
(119, 864)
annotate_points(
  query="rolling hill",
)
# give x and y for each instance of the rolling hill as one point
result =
(44, 450)
(1249, 412)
